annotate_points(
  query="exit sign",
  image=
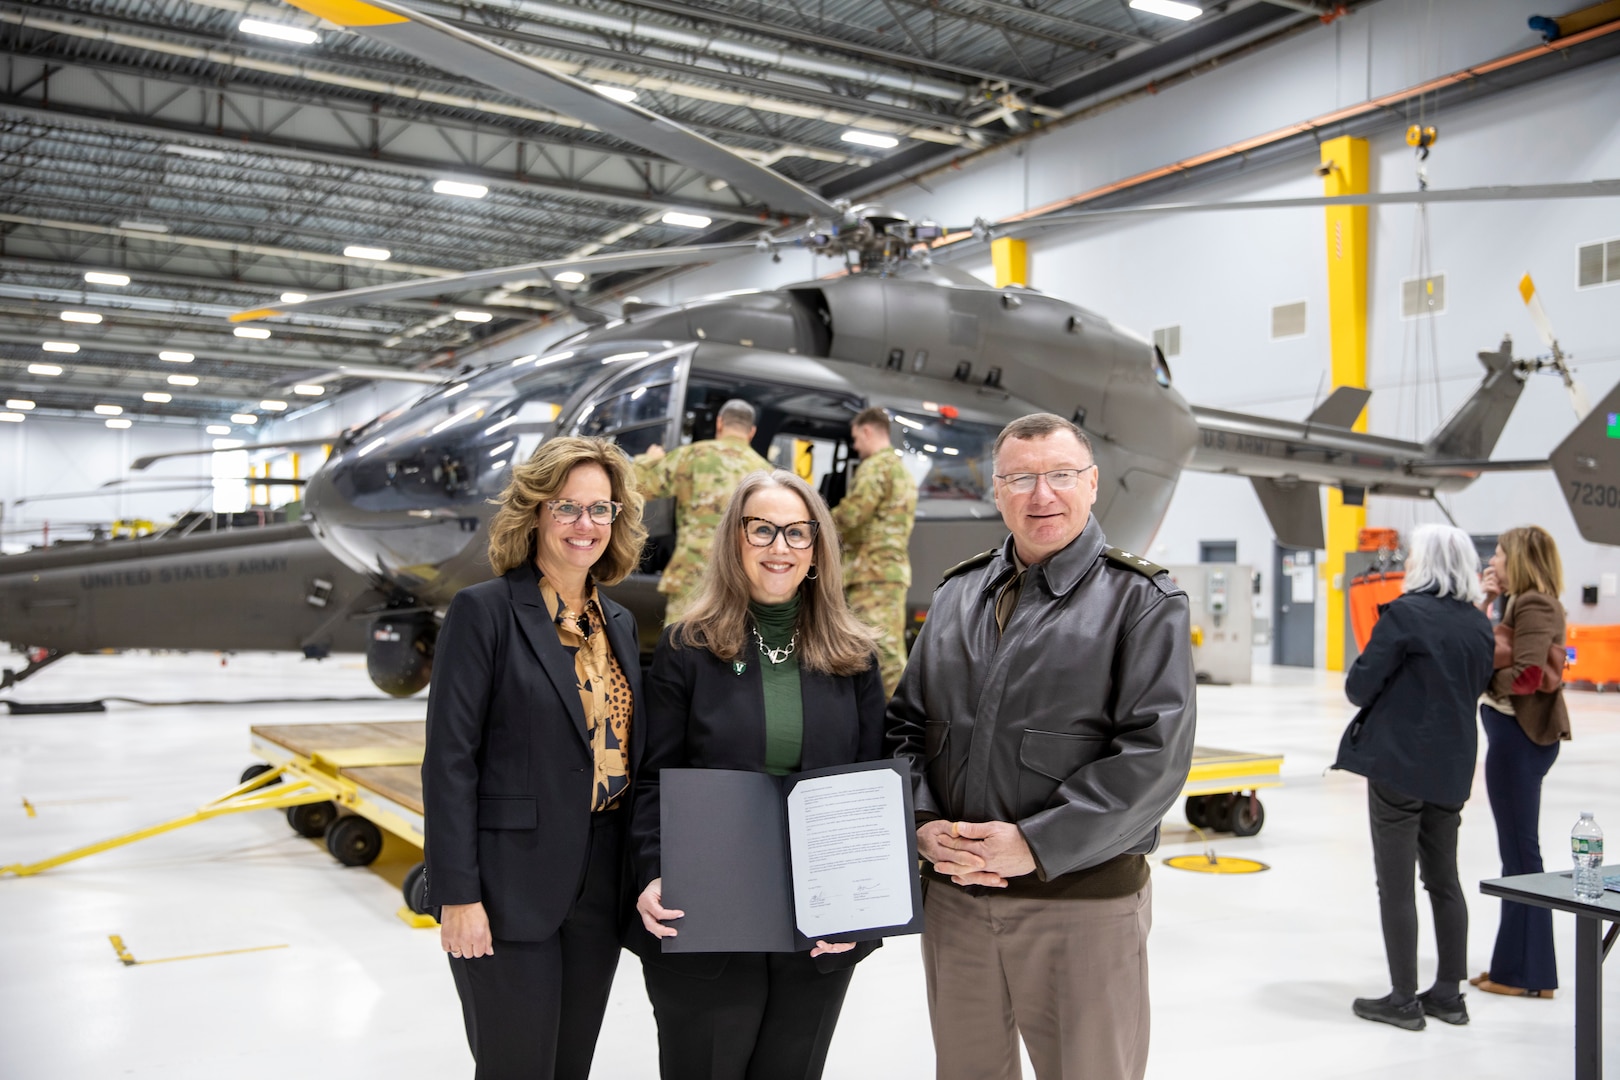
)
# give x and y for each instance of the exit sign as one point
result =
(1614, 425)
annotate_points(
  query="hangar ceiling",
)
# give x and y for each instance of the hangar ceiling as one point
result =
(218, 169)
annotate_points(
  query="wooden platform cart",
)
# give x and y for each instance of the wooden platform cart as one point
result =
(1222, 789)
(346, 783)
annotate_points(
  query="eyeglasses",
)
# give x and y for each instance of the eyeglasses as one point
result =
(761, 533)
(1057, 479)
(566, 511)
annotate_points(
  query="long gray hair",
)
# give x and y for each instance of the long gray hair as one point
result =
(1442, 559)
(831, 639)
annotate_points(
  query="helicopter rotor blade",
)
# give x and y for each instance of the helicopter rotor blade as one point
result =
(459, 52)
(1538, 315)
(1589, 189)
(142, 463)
(105, 491)
(646, 258)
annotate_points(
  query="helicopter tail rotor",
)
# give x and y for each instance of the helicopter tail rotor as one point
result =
(1559, 362)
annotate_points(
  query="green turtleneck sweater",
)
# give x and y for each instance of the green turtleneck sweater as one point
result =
(784, 708)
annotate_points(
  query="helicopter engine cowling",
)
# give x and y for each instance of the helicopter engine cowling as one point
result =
(399, 652)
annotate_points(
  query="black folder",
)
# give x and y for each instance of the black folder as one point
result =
(726, 860)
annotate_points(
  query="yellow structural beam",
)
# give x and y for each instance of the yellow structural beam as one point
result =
(1345, 165)
(1011, 260)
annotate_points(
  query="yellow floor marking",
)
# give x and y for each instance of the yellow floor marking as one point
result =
(130, 961)
(1211, 863)
(29, 807)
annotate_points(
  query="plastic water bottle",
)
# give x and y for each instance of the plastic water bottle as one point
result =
(1586, 844)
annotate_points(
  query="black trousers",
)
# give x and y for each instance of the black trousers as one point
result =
(1514, 769)
(767, 1016)
(534, 1008)
(1407, 831)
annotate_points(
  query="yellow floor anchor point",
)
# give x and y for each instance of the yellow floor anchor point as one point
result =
(28, 807)
(1211, 863)
(129, 960)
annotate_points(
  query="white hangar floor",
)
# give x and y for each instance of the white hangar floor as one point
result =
(1252, 976)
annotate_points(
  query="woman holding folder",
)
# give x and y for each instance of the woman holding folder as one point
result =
(767, 672)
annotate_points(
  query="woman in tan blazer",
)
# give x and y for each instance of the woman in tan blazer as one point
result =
(1525, 719)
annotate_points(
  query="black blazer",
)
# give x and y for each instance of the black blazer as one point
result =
(701, 714)
(1417, 684)
(506, 777)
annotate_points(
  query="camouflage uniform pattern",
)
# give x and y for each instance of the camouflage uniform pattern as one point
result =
(700, 477)
(874, 524)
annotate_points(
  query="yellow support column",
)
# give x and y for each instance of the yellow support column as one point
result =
(1345, 160)
(1011, 260)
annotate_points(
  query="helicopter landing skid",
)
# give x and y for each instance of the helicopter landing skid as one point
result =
(38, 659)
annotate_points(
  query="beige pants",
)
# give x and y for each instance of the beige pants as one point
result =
(1070, 976)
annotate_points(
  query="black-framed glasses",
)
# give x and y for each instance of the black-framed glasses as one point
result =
(566, 511)
(799, 535)
(1057, 479)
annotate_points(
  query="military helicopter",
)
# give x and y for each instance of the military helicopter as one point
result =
(403, 499)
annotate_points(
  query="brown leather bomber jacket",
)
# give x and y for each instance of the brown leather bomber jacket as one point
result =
(1077, 723)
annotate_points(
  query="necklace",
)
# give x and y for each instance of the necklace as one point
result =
(777, 656)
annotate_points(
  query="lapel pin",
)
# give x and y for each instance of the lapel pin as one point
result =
(738, 667)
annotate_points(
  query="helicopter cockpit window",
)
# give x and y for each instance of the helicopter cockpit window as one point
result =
(951, 459)
(636, 413)
(1161, 368)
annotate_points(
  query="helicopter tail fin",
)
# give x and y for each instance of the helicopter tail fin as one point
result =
(1471, 432)
(1587, 464)
(1294, 508)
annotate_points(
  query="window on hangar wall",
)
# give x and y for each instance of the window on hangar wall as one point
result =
(1598, 264)
(1423, 296)
(1288, 320)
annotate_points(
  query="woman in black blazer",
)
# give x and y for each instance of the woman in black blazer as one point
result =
(533, 734)
(770, 672)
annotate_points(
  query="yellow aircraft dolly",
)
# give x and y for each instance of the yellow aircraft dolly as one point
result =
(344, 782)
(1222, 788)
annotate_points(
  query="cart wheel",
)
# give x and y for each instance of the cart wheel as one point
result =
(354, 841)
(1218, 812)
(1196, 805)
(415, 888)
(1247, 815)
(257, 770)
(312, 819)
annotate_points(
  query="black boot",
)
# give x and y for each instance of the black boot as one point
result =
(1385, 1010)
(1448, 1010)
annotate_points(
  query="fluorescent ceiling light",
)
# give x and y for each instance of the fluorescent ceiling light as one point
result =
(109, 410)
(19, 403)
(456, 187)
(201, 153)
(280, 31)
(87, 317)
(120, 424)
(227, 444)
(96, 277)
(360, 251)
(12, 417)
(456, 389)
(244, 418)
(272, 405)
(294, 297)
(473, 316)
(617, 93)
(144, 226)
(870, 138)
(370, 446)
(157, 397)
(257, 333)
(44, 369)
(309, 389)
(569, 277)
(616, 357)
(520, 361)
(60, 346)
(218, 429)
(176, 357)
(691, 221)
(182, 380)
(1170, 9)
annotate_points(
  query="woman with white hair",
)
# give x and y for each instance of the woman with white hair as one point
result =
(1414, 740)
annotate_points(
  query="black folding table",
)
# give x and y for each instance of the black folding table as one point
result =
(1557, 891)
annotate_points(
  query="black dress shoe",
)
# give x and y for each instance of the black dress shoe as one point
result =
(1385, 1011)
(1450, 1011)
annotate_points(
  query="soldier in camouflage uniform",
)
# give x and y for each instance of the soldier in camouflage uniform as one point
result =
(874, 523)
(701, 477)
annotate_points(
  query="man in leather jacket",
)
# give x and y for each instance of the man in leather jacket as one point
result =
(1047, 713)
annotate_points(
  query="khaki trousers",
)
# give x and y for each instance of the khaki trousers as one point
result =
(1070, 976)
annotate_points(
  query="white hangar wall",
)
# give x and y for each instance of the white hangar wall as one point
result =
(1217, 276)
